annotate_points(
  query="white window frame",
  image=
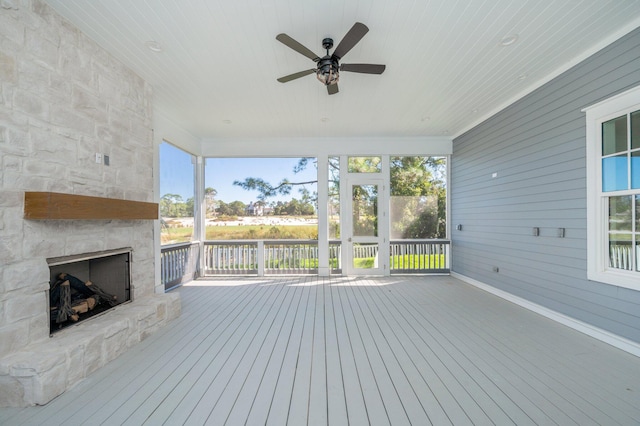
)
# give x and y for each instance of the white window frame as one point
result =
(597, 213)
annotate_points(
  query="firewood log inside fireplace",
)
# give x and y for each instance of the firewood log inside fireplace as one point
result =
(70, 296)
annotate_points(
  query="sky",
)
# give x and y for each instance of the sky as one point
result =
(176, 175)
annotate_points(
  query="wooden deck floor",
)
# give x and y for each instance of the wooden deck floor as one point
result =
(359, 351)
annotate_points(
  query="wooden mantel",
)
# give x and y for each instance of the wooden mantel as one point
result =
(53, 205)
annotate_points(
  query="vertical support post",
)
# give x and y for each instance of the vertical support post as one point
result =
(323, 215)
(199, 215)
(158, 285)
(261, 254)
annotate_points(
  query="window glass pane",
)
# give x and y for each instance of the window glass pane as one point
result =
(261, 198)
(365, 165)
(334, 198)
(620, 213)
(637, 252)
(635, 170)
(614, 135)
(620, 251)
(365, 210)
(418, 197)
(635, 130)
(177, 194)
(614, 173)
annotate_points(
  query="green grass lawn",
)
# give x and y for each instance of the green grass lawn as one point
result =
(243, 232)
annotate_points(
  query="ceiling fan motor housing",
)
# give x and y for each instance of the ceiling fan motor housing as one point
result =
(328, 70)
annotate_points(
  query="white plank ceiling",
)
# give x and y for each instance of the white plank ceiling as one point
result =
(446, 67)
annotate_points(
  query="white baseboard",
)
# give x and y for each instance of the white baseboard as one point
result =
(595, 332)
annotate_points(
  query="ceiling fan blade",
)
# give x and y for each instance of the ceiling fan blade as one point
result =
(289, 42)
(332, 89)
(363, 68)
(296, 75)
(352, 38)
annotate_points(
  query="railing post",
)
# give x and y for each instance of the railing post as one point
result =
(261, 254)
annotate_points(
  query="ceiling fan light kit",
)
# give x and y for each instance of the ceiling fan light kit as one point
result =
(328, 67)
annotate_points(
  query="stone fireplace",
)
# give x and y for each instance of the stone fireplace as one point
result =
(37, 365)
(62, 100)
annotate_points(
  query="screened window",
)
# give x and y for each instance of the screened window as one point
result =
(418, 197)
(334, 198)
(364, 164)
(177, 177)
(261, 198)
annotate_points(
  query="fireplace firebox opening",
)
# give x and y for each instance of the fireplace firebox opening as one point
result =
(83, 286)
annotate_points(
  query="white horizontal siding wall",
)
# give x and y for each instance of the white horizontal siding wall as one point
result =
(537, 148)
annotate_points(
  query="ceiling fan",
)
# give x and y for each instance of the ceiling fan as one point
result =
(328, 68)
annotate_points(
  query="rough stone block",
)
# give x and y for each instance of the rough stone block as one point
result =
(117, 325)
(75, 358)
(11, 162)
(11, 392)
(39, 327)
(65, 117)
(115, 345)
(15, 278)
(22, 307)
(148, 331)
(93, 354)
(44, 49)
(89, 105)
(36, 360)
(31, 104)
(49, 385)
(13, 336)
(174, 306)
(10, 249)
(34, 77)
(8, 69)
(161, 312)
(43, 168)
(12, 28)
(17, 140)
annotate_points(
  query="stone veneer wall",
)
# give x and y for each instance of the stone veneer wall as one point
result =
(62, 100)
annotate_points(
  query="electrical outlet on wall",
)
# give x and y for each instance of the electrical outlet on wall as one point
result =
(98, 158)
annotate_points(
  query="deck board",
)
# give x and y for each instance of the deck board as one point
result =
(353, 351)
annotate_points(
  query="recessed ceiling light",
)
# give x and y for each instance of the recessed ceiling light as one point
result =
(509, 40)
(474, 111)
(522, 76)
(153, 45)
(226, 121)
(324, 119)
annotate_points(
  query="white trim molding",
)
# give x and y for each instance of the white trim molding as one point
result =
(597, 333)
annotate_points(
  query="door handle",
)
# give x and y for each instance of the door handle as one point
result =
(349, 239)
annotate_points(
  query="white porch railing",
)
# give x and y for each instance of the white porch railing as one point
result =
(420, 256)
(621, 257)
(179, 263)
(267, 257)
